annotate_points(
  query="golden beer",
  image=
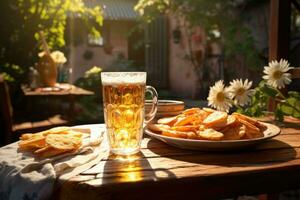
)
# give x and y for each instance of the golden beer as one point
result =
(124, 116)
(124, 112)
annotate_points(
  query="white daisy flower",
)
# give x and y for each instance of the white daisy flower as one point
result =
(240, 91)
(218, 97)
(276, 75)
(58, 57)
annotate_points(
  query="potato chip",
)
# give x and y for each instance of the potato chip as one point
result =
(167, 120)
(230, 120)
(186, 128)
(58, 130)
(250, 120)
(192, 135)
(211, 134)
(208, 110)
(75, 133)
(191, 111)
(41, 150)
(250, 127)
(234, 132)
(209, 124)
(36, 141)
(176, 134)
(251, 134)
(26, 136)
(52, 142)
(185, 120)
(215, 118)
(261, 126)
(63, 142)
(158, 127)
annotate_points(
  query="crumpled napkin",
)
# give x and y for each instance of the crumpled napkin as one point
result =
(23, 176)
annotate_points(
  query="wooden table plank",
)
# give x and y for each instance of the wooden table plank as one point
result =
(230, 159)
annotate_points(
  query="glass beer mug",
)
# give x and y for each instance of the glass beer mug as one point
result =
(124, 109)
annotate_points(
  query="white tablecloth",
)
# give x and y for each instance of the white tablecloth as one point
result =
(23, 176)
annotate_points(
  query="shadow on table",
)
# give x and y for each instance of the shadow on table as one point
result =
(132, 169)
(268, 153)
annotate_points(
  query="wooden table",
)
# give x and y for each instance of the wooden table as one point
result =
(70, 92)
(165, 172)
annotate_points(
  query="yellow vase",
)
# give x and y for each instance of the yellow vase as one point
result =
(47, 70)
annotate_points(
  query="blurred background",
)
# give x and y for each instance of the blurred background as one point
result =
(183, 45)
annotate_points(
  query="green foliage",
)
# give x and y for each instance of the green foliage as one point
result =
(23, 19)
(291, 106)
(222, 20)
(267, 90)
(91, 81)
(11, 72)
(259, 102)
(149, 9)
(91, 105)
(285, 105)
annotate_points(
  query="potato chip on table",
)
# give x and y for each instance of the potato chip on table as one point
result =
(209, 124)
(52, 142)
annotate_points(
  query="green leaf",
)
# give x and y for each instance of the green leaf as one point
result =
(269, 91)
(294, 94)
(286, 109)
(291, 107)
(279, 114)
(262, 83)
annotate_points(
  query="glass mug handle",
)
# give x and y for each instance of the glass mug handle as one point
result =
(149, 116)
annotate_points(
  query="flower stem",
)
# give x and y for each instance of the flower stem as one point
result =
(238, 106)
(280, 93)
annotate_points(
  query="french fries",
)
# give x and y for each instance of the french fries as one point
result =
(209, 124)
(51, 142)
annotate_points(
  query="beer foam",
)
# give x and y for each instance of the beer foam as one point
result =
(117, 78)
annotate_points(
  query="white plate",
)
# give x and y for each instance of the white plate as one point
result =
(206, 145)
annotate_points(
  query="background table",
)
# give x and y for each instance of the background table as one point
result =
(70, 94)
(164, 172)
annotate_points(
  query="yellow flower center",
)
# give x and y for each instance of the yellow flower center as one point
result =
(220, 96)
(277, 74)
(240, 91)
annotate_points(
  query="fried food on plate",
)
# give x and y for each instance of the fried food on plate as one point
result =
(192, 128)
(176, 134)
(191, 111)
(209, 124)
(215, 119)
(158, 127)
(230, 120)
(167, 120)
(185, 120)
(234, 132)
(211, 134)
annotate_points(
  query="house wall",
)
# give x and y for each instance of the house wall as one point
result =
(183, 80)
(114, 33)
